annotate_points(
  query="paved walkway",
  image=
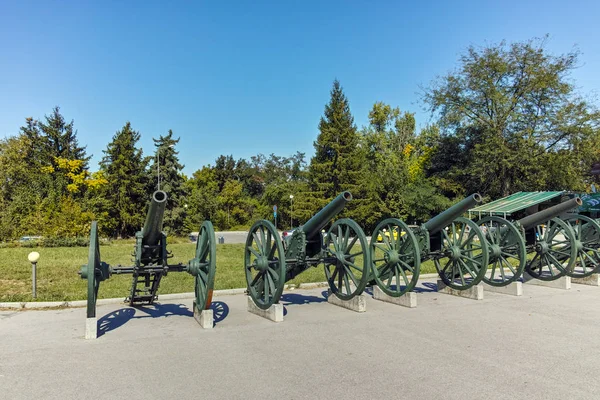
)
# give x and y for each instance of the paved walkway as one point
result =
(544, 345)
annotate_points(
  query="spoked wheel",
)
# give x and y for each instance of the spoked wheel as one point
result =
(465, 255)
(555, 251)
(506, 249)
(93, 271)
(348, 261)
(264, 262)
(587, 235)
(395, 257)
(204, 266)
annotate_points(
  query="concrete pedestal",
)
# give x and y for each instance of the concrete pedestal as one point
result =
(91, 328)
(357, 303)
(592, 280)
(205, 317)
(273, 313)
(406, 300)
(513, 288)
(564, 282)
(474, 292)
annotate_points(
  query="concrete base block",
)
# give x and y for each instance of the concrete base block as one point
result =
(91, 328)
(592, 280)
(564, 282)
(205, 317)
(406, 300)
(474, 292)
(513, 289)
(273, 313)
(357, 303)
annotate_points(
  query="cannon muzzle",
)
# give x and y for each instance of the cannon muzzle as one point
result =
(152, 230)
(437, 223)
(542, 216)
(314, 225)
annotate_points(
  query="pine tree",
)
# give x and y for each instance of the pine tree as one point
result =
(59, 139)
(126, 194)
(336, 165)
(171, 181)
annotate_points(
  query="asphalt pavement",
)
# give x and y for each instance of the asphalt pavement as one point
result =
(543, 345)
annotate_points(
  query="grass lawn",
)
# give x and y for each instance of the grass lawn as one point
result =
(58, 280)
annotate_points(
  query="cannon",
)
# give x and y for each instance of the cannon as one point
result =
(269, 262)
(455, 244)
(150, 261)
(567, 246)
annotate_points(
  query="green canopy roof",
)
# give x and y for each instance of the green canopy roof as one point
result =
(514, 202)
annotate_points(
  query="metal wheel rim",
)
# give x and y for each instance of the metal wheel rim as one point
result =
(206, 257)
(261, 232)
(535, 267)
(587, 261)
(409, 258)
(338, 266)
(512, 245)
(453, 272)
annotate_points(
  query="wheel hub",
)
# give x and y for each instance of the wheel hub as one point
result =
(391, 257)
(454, 253)
(495, 251)
(262, 263)
(541, 247)
(578, 245)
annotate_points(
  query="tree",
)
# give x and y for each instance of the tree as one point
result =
(171, 181)
(336, 165)
(126, 196)
(513, 108)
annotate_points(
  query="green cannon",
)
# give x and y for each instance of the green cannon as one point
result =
(150, 261)
(455, 244)
(269, 262)
(567, 246)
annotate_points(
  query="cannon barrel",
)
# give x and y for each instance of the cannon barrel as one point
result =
(152, 230)
(314, 225)
(437, 223)
(542, 216)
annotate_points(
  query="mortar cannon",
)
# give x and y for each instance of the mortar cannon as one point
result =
(455, 244)
(150, 261)
(567, 246)
(269, 262)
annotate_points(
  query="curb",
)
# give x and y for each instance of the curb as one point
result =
(41, 305)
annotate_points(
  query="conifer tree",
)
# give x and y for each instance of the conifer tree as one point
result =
(126, 195)
(336, 165)
(169, 178)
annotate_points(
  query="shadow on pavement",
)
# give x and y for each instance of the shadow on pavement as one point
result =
(118, 318)
(220, 311)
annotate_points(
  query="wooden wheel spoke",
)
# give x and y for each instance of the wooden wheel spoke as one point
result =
(253, 251)
(346, 237)
(347, 283)
(356, 267)
(407, 266)
(460, 272)
(351, 245)
(508, 264)
(406, 280)
(349, 273)
(467, 268)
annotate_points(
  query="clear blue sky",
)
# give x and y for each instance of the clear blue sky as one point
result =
(251, 77)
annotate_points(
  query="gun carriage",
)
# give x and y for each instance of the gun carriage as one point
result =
(455, 244)
(151, 261)
(560, 246)
(269, 262)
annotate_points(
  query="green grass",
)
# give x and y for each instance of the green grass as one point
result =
(58, 280)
